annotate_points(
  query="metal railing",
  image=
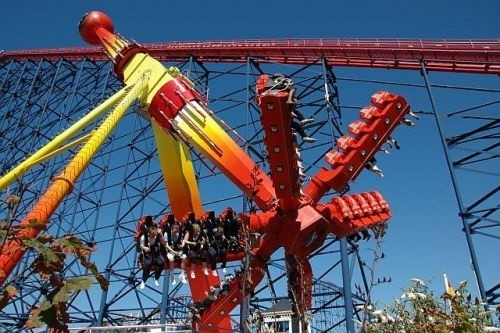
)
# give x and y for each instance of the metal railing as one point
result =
(150, 328)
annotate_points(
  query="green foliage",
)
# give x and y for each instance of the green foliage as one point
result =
(74, 245)
(53, 310)
(70, 287)
(49, 265)
(47, 254)
(419, 310)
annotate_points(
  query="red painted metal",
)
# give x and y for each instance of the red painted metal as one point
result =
(91, 24)
(276, 118)
(222, 306)
(170, 99)
(470, 56)
(383, 116)
(297, 222)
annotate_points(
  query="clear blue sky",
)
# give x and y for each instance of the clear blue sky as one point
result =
(424, 239)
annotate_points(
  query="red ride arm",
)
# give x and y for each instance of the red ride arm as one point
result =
(380, 120)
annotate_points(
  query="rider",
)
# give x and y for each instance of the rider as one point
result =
(281, 82)
(231, 225)
(219, 246)
(197, 248)
(175, 239)
(151, 244)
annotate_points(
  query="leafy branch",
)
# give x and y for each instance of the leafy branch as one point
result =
(49, 265)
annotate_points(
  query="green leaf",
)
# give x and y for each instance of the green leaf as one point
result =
(45, 305)
(70, 287)
(80, 283)
(44, 251)
(72, 244)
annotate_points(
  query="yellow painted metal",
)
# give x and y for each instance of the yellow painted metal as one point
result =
(60, 150)
(159, 73)
(205, 133)
(175, 160)
(59, 140)
(178, 173)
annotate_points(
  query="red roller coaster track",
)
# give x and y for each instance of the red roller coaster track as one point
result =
(468, 56)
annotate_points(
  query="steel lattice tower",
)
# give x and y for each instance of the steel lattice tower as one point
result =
(43, 92)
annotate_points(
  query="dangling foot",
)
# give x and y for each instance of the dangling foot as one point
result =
(172, 279)
(157, 283)
(143, 284)
(205, 271)
(224, 270)
(377, 171)
(183, 277)
(308, 139)
(214, 272)
(193, 275)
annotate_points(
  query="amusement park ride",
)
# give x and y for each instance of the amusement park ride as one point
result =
(290, 213)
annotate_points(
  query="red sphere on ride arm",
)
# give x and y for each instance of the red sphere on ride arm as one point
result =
(90, 22)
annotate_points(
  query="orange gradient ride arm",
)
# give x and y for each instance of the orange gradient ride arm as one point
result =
(178, 107)
(175, 105)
